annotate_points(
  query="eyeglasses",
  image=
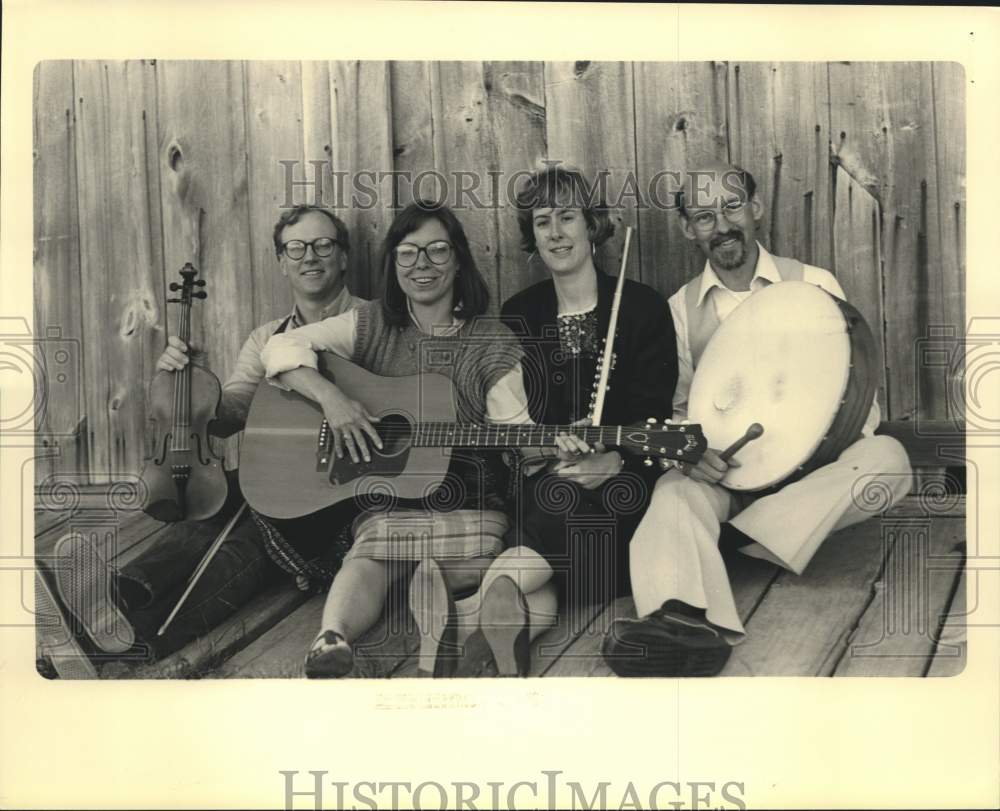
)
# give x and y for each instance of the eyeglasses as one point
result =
(296, 248)
(707, 220)
(407, 254)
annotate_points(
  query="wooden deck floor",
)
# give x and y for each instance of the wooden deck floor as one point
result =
(884, 598)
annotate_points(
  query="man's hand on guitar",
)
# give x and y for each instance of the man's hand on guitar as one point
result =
(349, 422)
(710, 469)
(174, 357)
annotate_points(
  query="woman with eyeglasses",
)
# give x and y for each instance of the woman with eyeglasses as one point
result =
(423, 323)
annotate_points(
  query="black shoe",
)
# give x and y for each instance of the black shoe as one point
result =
(86, 585)
(504, 621)
(330, 657)
(665, 643)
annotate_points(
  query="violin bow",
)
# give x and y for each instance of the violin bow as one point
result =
(196, 576)
(609, 341)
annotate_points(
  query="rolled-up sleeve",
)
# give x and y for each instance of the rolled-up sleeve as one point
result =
(506, 400)
(241, 385)
(297, 348)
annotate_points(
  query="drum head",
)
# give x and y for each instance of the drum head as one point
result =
(782, 359)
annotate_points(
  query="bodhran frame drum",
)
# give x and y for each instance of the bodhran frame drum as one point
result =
(800, 362)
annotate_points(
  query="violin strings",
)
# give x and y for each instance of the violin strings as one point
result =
(182, 400)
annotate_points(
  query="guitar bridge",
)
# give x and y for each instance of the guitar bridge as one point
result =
(324, 448)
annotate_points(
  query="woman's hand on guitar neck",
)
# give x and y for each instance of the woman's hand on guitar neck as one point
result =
(588, 466)
(174, 357)
(349, 422)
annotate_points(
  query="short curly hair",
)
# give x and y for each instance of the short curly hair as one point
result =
(561, 187)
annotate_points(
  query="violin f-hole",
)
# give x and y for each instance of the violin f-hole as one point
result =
(163, 449)
(204, 458)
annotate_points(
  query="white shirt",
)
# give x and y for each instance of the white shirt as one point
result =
(725, 301)
(239, 389)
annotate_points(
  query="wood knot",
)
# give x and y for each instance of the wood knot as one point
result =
(174, 156)
(129, 323)
(579, 68)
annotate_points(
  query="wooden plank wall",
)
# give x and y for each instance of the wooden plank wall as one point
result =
(141, 166)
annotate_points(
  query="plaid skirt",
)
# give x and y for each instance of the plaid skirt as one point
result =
(405, 534)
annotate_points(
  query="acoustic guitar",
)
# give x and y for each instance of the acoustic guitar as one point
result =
(288, 468)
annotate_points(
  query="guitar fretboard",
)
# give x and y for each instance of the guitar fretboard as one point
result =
(507, 435)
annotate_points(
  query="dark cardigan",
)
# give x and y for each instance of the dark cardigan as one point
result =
(645, 373)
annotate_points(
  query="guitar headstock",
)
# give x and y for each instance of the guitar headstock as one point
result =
(679, 441)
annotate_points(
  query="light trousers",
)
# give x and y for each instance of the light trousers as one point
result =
(674, 553)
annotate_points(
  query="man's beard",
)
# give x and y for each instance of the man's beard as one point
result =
(725, 259)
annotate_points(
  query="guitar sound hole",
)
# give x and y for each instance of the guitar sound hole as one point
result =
(396, 432)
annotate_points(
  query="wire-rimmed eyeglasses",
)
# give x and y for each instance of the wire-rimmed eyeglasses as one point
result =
(706, 220)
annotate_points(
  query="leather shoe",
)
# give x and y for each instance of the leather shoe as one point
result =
(329, 657)
(665, 643)
(86, 584)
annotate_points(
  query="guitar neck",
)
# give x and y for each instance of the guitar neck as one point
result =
(508, 435)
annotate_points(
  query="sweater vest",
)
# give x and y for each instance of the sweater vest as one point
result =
(474, 358)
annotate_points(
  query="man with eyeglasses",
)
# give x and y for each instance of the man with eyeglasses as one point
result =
(311, 245)
(687, 620)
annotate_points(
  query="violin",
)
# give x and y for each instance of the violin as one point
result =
(184, 479)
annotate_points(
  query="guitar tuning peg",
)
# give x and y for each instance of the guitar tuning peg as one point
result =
(647, 462)
(650, 420)
(174, 286)
(200, 282)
